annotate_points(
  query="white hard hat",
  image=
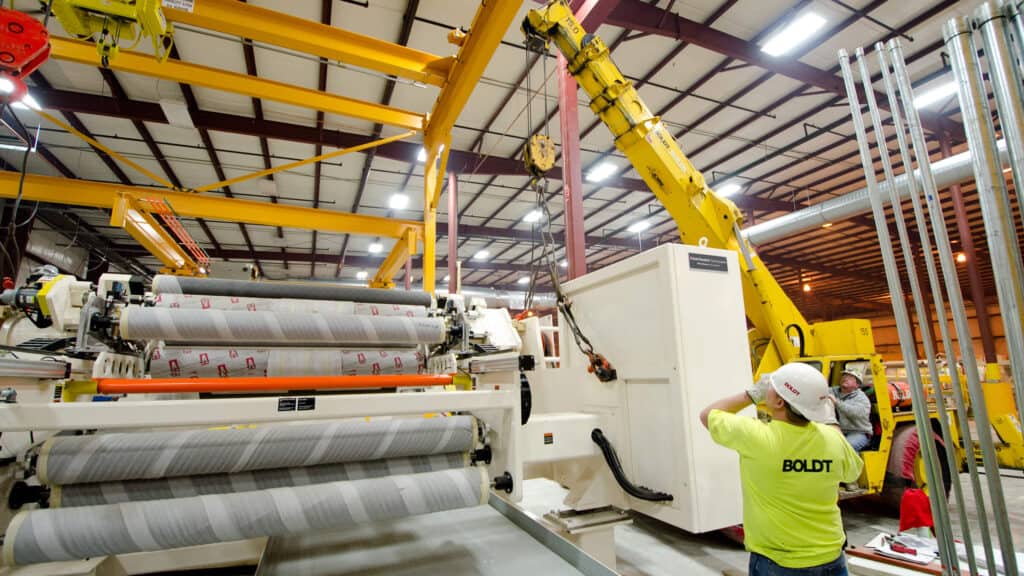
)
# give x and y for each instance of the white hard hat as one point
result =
(806, 391)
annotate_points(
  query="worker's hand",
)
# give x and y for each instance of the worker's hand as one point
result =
(833, 399)
(759, 391)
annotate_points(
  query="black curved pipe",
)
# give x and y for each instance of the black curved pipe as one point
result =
(641, 492)
(800, 331)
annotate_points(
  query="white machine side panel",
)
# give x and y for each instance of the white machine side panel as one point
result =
(715, 361)
(677, 337)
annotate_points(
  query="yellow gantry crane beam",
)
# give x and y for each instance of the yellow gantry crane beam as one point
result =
(101, 195)
(490, 24)
(178, 71)
(141, 226)
(271, 27)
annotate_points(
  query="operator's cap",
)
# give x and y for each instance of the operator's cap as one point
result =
(804, 388)
(856, 373)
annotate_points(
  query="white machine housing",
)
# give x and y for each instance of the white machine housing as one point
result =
(671, 322)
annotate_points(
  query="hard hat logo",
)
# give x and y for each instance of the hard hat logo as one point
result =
(804, 388)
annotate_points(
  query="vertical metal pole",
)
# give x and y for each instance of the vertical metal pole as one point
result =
(453, 230)
(1015, 11)
(940, 309)
(988, 343)
(1000, 226)
(947, 549)
(991, 22)
(408, 273)
(1006, 85)
(978, 405)
(572, 177)
(923, 314)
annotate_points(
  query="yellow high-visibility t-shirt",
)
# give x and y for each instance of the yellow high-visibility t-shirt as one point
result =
(790, 477)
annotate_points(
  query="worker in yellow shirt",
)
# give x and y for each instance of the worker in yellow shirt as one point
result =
(790, 469)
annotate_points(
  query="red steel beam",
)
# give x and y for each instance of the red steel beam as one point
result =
(572, 190)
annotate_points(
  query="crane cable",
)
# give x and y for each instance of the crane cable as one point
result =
(599, 365)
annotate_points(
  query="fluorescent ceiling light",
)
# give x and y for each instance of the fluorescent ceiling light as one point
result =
(375, 247)
(728, 189)
(398, 201)
(533, 216)
(481, 255)
(796, 33)
(523, 280)
(601, 171)
(17, 147)
(447, 278)
(640, 226)
(421, 156)
(564, 264)
(177, 113)
(934, 95)
(361, 275)
(6, 86)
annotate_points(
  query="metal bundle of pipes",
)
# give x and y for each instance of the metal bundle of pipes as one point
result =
(280, 328)
(90, 531)
(171, 362)
(130, 492)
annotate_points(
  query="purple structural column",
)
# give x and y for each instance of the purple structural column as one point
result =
(974, 284)
(453, 232)
(575, 244)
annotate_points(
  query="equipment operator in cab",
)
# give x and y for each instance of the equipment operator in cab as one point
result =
(790, 469)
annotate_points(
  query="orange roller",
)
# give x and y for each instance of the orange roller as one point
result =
(256, 384)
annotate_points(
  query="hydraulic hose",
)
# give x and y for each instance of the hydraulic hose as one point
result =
(640, 492)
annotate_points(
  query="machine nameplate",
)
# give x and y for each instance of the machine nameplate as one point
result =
(549, 438)
(292, 404)
(186, 5)
(708, 262)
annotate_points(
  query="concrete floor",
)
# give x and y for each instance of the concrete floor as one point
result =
(651, 548)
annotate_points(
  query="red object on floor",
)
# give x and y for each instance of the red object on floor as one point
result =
(915, 510)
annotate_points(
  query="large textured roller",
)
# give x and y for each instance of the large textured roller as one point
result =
(97, 493)
(138, 455)
(305, 291)
(205, 302)
(281, 328)
(170, 362)
(91, 531)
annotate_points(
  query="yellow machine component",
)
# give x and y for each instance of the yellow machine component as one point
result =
(539, 154)
(108, 22)
(702, 216)
(780, 333)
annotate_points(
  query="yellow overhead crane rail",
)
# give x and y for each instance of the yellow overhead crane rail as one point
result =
(456, 76)
(186, 205)
(214, 78)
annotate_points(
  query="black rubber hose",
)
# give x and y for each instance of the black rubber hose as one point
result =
(799, 331)
(641, 492)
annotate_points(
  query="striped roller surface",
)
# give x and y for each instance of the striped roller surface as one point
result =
(97, 493)
(206, 302)
(165, 284)
(286, 328)
(141, 455)
(90, 531)
(173, 362)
